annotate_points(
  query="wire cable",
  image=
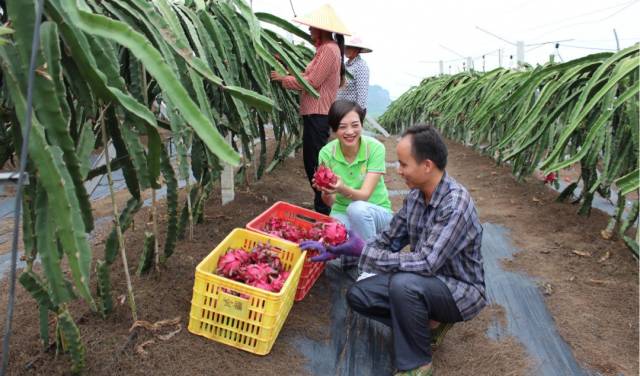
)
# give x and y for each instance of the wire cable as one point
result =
(568, 19)
(589, 48)
(627, 5)
(35, 42)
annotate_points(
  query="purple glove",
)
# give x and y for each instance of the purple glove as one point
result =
(352, 247)
(324, 254)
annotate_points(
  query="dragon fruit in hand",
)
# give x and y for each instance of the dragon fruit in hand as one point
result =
(324, 177)
(334, 233)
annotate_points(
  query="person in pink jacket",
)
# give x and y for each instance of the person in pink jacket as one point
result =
(326, 73)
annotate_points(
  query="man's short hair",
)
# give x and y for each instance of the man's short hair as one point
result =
(340, 109)
(426, 143)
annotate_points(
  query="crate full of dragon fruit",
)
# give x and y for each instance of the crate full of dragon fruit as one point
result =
(244, 289)
(295, 224)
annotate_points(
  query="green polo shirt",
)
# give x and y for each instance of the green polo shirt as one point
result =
(370, 158)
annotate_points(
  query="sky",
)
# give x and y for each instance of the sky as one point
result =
(409, 38)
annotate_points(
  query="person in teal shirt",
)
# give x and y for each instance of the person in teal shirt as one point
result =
(359, 199)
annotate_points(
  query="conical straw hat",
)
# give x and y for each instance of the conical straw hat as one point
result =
(357, 42)
(324, 18)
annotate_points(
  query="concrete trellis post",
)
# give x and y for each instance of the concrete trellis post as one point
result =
(520, 53)
(227, 180)
(11, 178)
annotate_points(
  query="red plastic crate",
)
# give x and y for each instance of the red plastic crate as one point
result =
(304, 218)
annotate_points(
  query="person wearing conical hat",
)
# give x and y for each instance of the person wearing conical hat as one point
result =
(326, 73)
(356, 89)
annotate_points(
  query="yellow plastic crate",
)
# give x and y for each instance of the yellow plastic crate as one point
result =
(251, 321)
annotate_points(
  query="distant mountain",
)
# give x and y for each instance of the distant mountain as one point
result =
(378, 101)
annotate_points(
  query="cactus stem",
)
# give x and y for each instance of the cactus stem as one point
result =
(154, 215)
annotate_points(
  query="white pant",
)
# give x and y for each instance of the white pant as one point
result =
(365, 218)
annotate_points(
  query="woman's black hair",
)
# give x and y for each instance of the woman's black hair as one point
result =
(340, 109)
(343, 69)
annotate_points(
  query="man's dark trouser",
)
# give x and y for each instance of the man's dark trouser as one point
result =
(405, 302)
(314, 136)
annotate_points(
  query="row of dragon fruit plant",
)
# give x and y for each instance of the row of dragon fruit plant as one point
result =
(580, 113)
(100, 66)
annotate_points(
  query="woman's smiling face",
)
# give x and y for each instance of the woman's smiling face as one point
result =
(349, 129)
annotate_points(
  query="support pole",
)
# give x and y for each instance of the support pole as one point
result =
(12, 178)
(520, 53)
(615, 34)
(227, 180)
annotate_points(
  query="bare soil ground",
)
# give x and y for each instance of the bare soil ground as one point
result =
(594, 299)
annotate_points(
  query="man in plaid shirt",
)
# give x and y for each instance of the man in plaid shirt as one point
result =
(440, 279)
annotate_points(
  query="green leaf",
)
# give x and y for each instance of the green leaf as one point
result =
(104, 287)
(172, 203)
(51, 108)
(85, 147)
(629, 182)
(34, 285)
(284, 25)
(123, 34)
(72, 341)
(146, 259)
(275, 46)
(48, 250)
(59, 186)
(256, 100)
(174, 36)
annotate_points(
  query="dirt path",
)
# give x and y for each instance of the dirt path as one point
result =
(594, 304)
(593, 298)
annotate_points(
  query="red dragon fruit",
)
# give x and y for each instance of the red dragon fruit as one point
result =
(256, 272)
(550, 178)
(262, 285)
(284, 229)
(274, 224)
(262, 253)
(275, 263)
(314, 233)
(231, 262)
(324, 177)
(278, 282)
(261, 268)
(293, 233)
(332, 233)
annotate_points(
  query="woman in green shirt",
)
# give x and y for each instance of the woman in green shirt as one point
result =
(359, 199)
